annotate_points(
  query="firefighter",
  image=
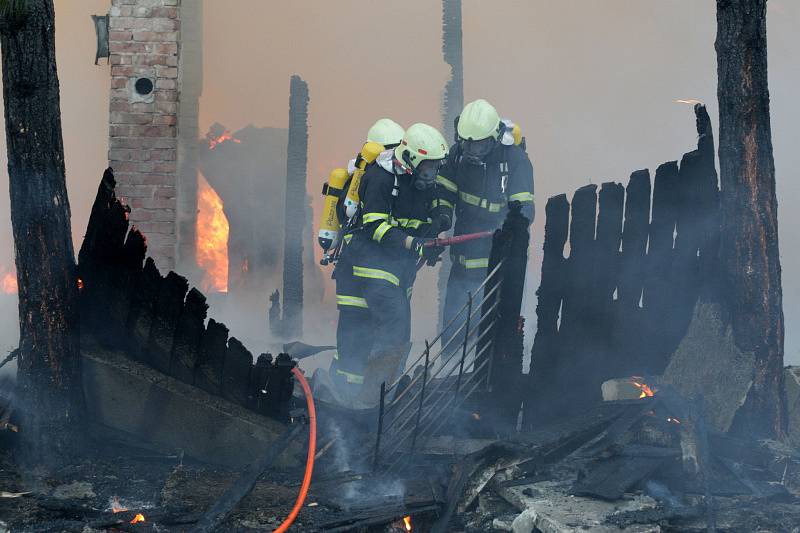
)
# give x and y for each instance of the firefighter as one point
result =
(487, 169)
(399, 210)
(354, 327)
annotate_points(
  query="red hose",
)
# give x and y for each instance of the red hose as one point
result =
(312, 450)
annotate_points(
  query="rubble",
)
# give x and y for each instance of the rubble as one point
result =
(708, 363)
(547, 507)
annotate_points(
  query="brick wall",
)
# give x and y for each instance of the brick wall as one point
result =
(144, 38)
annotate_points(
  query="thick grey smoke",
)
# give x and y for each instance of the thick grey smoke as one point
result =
(592, 83)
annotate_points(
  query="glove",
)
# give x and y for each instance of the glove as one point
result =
(444, 223)
(431, 254)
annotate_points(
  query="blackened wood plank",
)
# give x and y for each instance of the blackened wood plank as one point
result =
(142, 310)
(188, 334)
(634, 240)
(659, 294)
(236, 372)
(212, 357)
(581, 241)
(165, 319)
(129, 272)
(604, 267)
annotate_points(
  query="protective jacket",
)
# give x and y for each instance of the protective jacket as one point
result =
(479, 195)
(375, 273)
(391, 210)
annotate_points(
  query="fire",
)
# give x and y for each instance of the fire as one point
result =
(407, 523)
(8, 283)
(80, 284)
(644, 388)
(138, 518)
(212, 238)
(226, 136)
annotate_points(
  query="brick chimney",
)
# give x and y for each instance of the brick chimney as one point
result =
(144, 42)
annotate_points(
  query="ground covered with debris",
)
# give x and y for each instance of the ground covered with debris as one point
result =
(639, 465)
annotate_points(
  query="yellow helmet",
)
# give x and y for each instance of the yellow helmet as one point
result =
(478, 120)
(386, 132)
(421, 153)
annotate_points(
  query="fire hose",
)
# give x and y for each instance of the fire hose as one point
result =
(458, 239)
(312, 449)
(449, 241)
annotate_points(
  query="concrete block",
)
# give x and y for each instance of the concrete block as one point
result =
(173, 416)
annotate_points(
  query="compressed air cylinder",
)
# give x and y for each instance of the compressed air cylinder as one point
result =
(330, 224)
(369, 152)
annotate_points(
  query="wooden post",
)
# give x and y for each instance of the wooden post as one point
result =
(295, 216)
(749, 208)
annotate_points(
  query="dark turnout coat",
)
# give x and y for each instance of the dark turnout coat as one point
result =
(479, 195)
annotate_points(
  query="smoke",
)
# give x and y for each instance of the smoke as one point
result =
(593, 85)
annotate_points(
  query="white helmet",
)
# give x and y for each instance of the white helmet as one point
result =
(386, 132)
(421, 153)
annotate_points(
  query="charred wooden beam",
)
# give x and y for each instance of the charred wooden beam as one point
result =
(546, 353)
(452, 103)
(510, 245)
(296, 208)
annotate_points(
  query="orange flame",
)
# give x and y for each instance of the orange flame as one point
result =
(407, 523)
(8, 283)
(80, 284)
(138, 518)
(226, 136)
(212, 238)
(644, 388)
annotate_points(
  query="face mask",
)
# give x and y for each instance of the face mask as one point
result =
(425, 174)
(475, 152)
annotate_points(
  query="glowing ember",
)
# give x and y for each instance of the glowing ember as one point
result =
(212, 238)
(80, 284)
(138, 518)
(226, 136)
(407, 522)
(8, 283)
(644, 389)
(116, 507)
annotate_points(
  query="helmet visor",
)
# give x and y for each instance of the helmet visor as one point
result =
(426, 172)
(476, 151)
